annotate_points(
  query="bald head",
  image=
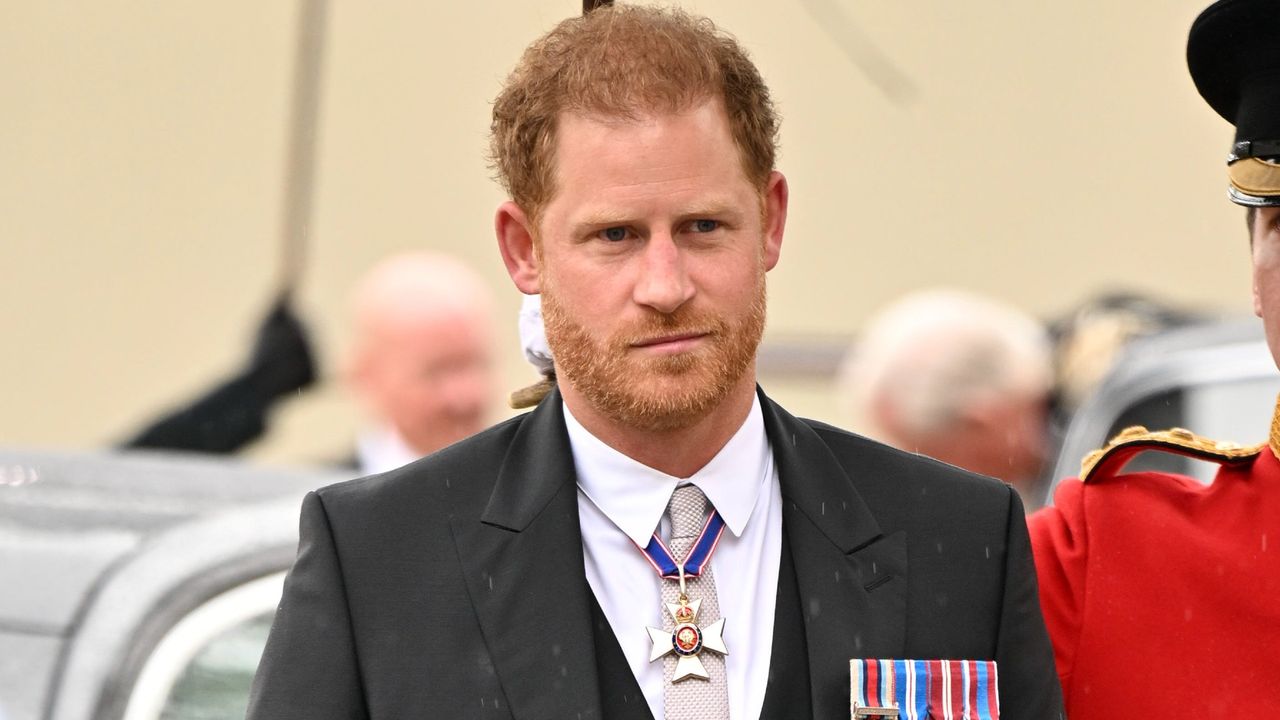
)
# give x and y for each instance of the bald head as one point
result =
(955, 376)
(421, 358)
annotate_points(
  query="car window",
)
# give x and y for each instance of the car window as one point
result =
(215, 684)
(203, 666)
(1239, 411)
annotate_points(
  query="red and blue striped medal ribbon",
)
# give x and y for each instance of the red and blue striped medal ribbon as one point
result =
(925, 689)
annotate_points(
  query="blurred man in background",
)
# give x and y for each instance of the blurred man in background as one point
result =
(421, 361)
(1161, 593)
(957, 377)
(420, 365)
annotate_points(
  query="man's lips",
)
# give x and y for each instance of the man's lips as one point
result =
(674, 342)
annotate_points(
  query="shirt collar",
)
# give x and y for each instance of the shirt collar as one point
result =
(382, 449)
(634, 496)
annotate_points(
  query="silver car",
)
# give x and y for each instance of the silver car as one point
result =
(138, 586)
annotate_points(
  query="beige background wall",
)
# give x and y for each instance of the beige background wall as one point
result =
(1040, 152)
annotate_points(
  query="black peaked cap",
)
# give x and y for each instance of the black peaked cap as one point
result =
(1234, 55)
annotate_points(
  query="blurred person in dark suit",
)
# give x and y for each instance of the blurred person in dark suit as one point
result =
(1160, 593)
(958, 377)
(420, 366)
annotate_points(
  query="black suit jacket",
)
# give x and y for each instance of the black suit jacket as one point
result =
(454, 588)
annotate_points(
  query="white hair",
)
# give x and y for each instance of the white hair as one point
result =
(410, 291)
(932, 354)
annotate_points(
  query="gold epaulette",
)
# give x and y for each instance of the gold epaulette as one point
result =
(1178, 441)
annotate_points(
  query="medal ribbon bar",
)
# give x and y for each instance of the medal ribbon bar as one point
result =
(924, 689)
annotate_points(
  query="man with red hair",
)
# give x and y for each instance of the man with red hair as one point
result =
(657, 539)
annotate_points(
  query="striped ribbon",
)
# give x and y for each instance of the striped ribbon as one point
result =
(927, 689)
(699, 555)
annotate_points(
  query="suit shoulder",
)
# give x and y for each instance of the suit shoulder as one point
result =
(845, 444)
(888, 476)
(457, 472)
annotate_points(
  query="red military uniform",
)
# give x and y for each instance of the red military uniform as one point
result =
(1162, 595)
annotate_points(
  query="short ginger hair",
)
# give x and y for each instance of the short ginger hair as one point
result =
(624, 62)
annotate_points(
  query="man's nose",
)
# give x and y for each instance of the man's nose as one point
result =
(464, 390)
(663, 283)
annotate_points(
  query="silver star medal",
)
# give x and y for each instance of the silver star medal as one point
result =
(687, 640)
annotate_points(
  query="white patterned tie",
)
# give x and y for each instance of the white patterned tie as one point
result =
(693, 698)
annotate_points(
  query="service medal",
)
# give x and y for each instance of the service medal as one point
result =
(687, 640)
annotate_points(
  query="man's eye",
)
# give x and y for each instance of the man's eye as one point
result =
(705, 226)
(614, 234)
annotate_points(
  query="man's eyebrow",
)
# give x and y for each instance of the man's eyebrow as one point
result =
(596, 221)
(710, 209)
(615, 218)
(602, 218)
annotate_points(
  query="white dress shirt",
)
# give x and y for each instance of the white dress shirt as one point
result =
(382, 449)
(621, 503)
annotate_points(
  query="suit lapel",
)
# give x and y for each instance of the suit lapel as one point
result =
(852, 578)
(523, 567)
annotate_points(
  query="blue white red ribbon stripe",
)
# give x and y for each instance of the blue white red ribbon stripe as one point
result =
(987, 682)
(699, 555)
(957, 697)
(913, 701)
(927, 689)
(994, 705)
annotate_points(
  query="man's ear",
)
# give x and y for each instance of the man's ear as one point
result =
(979, 415)
(359, 378)
(775, 217)
(1255, 246)
(1257, 299)
(515, 242)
